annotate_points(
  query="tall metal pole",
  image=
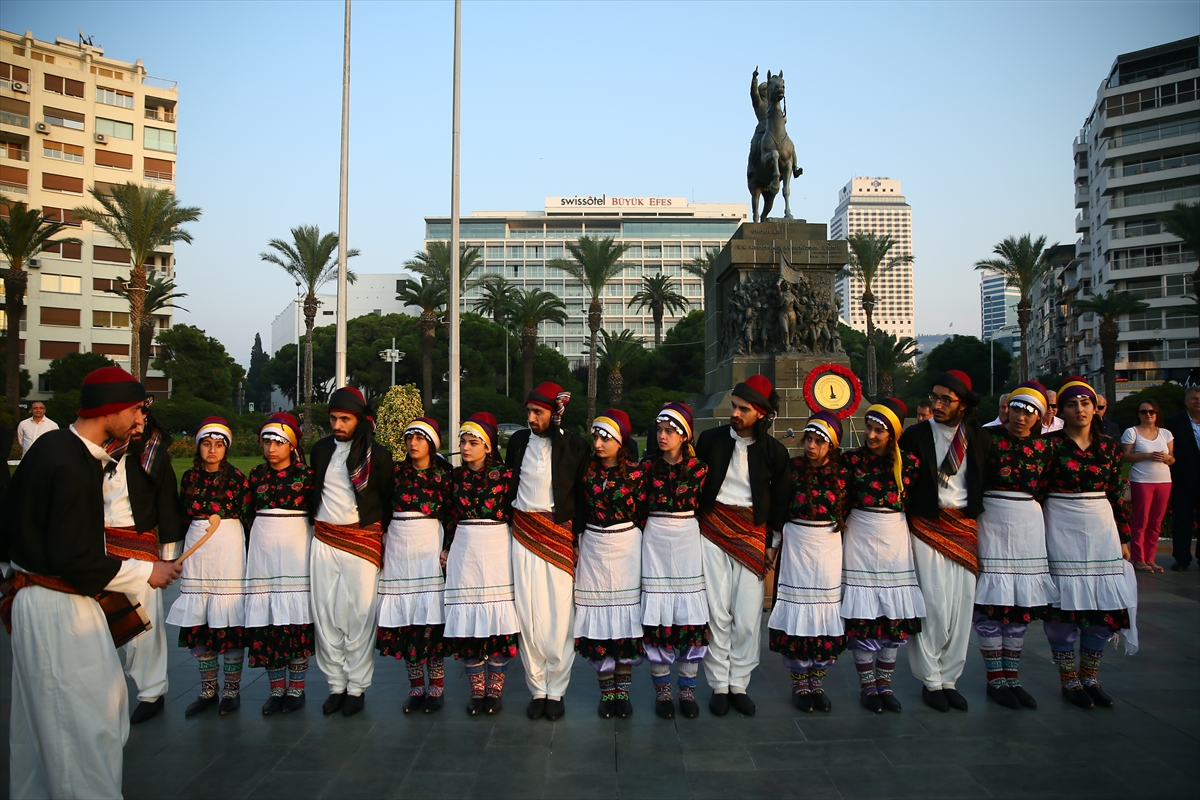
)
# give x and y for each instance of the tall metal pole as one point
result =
(340, 363)
(393, 355)
(455, 369)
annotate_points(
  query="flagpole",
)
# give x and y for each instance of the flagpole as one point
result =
(455, 344)
(340, 346)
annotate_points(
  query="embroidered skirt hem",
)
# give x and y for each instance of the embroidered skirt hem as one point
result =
(618, 649)
(676, 637)
(415, 644)
(502, 645)
(895, 630)
(216, 640)
(273, 646)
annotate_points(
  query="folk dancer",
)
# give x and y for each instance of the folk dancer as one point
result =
(211, 609)
(548, 465)
(279, 617)
(68, 720)
(1087, 536)
(881, 603)
(481, 615)
(943, 504)
(353, 480)
(806, 625)
(411, 587)
(608, 587)
(744, 494)
(674, 604)
(1014, 586)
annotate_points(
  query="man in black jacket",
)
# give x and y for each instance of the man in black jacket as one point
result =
(351, 496)
(742, 507)
(943, 504)
(1185, 477)
(548, 465)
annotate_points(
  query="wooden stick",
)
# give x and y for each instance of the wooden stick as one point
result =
(214, 522)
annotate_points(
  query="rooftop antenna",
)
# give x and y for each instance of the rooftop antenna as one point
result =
(84, 40)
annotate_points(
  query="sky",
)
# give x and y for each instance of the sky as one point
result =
(972, 106)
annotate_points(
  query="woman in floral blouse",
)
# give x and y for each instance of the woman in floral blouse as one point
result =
(211, 609)
(881, 602)
(608, 577)
(279, 621)
(411, 616)
(1014, 586)
(481, 619)
(1087, 538)
(806, 626)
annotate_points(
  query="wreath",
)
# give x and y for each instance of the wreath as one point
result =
(837, 369)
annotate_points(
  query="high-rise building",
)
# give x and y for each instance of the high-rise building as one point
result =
(72, 119)
(997, 305)
(876, 205)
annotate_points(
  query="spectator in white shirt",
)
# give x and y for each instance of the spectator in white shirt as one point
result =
(1050, 420)
(29, 430)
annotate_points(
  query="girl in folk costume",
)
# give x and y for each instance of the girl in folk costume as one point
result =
(279, 620)
(806, 626)
(1014, 586)
(411, 617)
(481, 617)
(881, 602)
(608, 578)
(674, 605)
(211, 608)
(1087, 536)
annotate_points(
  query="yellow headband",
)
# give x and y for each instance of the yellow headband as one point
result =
(426, 430)
(1029, 396)
(884, 413)
(677, 421)
(889, 417)
(214, 429)
(1075, 385)
(609, 426)
(470, 428)
(275, 429)
(823, 428)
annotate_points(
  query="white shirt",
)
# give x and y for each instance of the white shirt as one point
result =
(1148, 471)
(1056, 424)
(534, 490)
(28, 431)
(339, 506)
(735, 489)
(118, 511)
(953, 495)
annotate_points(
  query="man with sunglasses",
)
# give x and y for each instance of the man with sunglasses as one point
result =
(1110, 427)
(1050, 420)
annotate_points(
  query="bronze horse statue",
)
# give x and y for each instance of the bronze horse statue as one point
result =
(772, 161)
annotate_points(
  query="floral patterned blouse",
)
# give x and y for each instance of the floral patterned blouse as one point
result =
(479, 494)
(288, 489)
(818, 493)
(1017, 464)
(872, 483)
(674, 487)
(611, 498)
(1097, 469)
(207, 493)
(423, 490)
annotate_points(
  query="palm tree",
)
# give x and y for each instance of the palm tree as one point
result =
(140, 219)
(430, 297)
(1108, 307)
(868, 260)
(616, 352)
(594, 262)
(24, 232)
(892, 355)
(1183, 221)
(497, 299)
(659, 295)
(531, 308)
(1023, 262)
(309, 259)
(434, 263)
(160, 295)
(700, 265)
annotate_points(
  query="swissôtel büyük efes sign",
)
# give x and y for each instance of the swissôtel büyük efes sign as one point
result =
(604, 201)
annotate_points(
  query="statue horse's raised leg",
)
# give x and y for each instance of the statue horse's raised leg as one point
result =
(787, 190)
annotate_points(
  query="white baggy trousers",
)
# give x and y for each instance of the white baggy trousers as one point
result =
(345, 597)
(939, 651)
(735, 612)
(544, 596)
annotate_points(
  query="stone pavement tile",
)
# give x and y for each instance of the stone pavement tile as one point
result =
(921, 781)
(817, 755)
(858, 723)
(529, 758)
(234, 774)
(668, 785)
(435, 785)
(735, 729)
(808, 783)
(581, 785)
(254, 730)
(453, 748)
(708, 758)
(514, 731)
(291, 785)
(375, 756)
(648, 750)
(583, 752)
(355, 782)
(952, 749)
(319, 758)
(163, 774)
(508, 784)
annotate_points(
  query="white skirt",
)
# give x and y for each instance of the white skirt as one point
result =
(808, 601)
(411, 584)
(210, 588)
(1013, 568)
(277, 584)
(479, 582)
(673, 572)
(608, 583)
(1084, 550)
(878, 575)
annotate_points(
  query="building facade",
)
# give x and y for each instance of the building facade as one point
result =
(877, 205)
(997, 305)
(72, 119)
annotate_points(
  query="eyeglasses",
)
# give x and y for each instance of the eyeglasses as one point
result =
(1146, 411)
(1052, 405)
(1101, 408)
(936, 400)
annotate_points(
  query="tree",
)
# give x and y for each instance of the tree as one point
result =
(1023, 262)
(160, 295)
(615, 353)
(24, 232)
(893, 357)
(1183, 221)
(965, 353)
(430, 296)
(854, 342)
(66, 374)
(197, 364)
(497, 299)
(434, 263)
(594, 262)
(1108, 307)
(868, 260)
(700, 265)
(258, 385)
(677, 365)
(658, 294)
(529, 309)
(281, 371)
(140, 219)
(310, 259)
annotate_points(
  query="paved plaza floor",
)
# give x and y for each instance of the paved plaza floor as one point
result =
(1145, 747)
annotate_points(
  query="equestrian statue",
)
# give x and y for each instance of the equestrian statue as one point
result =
(772, 159)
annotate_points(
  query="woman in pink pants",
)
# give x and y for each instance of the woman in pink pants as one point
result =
(1149, 450)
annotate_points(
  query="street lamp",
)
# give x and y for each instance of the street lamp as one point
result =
(296, 399)
(992, 356)
(392, 355)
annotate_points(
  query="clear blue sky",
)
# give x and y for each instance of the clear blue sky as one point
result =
(973, 106)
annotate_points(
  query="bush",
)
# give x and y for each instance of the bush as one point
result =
(399, 406)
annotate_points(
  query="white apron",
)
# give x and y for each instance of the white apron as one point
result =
(608, 583)
(411, 584)
(1085, 553)
(808, 601)
(210, 588)
(673, 571)
(878, 575)
(1013, 568)
(479, 582)
(278, 591)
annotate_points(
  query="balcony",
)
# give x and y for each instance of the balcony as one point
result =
(15, 188)
(158, 177)
(1172, 195)
(10, 118)
(13, 153)
(161, 116)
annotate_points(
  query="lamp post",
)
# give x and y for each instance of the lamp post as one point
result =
(296, 399)
(392, 356)
(992, 356)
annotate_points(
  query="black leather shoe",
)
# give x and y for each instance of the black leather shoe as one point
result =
(198, 705)
(1023, 697)
(803, 701)
(955, 699)
(871, 702)
(1177, 567)
(434, 704)
(690, 709)
(230, 704)
(623, 708)
(1004, 696)
(605, 709)
(664, 709)
(493, 705)
(555, 709)
(536, 708)
(743, 703)
(935, 699)
(354, 704)
(293, 702)
(821, 702)
(273, 704)
(718, 704)
(1099, 696)
(475, 706)
(145, 711)
(415, 702)
(889, 702)
(333, 703)
(1078, 698)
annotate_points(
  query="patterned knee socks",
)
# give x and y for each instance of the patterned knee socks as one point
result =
(624, 680)
(800, 682)
(608, 686)
(297, 672)
(208, 674)
(437, 676)
(278, 679)
(687, 682)
(1089, 663)
(1065, 660)
(864, 663)
(495, 677)
(1011, 656)
(416, 678)
(233, 672)
(661, 675)
(993, 661)
(885, 665)
(474, 670)
(816, 675)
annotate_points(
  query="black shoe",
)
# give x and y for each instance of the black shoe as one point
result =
(475, 706)
(1023, 697)
(434, 704)
(1099, 696)
(198, 705)
(821, 702)
(1078, 697)
(493, 705)
(230, 704)
(664, 709)
(147, 710)
(354, 704)
(890, 702)
(1177, 567)
(555, 709)
(743, 703)
(871, 702)
(536, 708)
(293, 702)
(935, 699)
(605, 709)
(956, 700)
(414, 702)
(1004, 696)
(689, 708)
(803, 701)
(718, 704)
(273, 704)
(623, 708)
(333, 703)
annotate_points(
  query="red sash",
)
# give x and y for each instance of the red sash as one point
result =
(126, 543)
(953, 534)
(366, 542)
(732, 529)
(22, 579)
(541, 535)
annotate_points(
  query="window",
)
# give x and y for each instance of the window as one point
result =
(157, 169)
(693, 289)
(554, 272)
(534, 271)
(107, 158)
(117, 352)
(654, 251)
(1145, 320)
(114, 128)
(108, 73)
(672, 251)
(11, 72)
(1183, 348)
(672, 269)
(112, 97)
(62, 183)
(110, 319)
(68, 250)
(44, 58)
(1179, 285)
(14, 178)
(61, 317)
(554, 251)
(159, 139)
(64, 86)
(516, 251)
(692, 251)
(495, 251)
(63, 119)
(493, 269)
(105, 285)
(614, 309)
(533, 251)
(62, 152)
(574, 290)
(632, 271)
(52, 350)
(14, 112)
(612, 289)
(634, 251)
(574, 329)
(1146, 226)
(66, 284)
(113, 255)
(1181, 318)
(574, 348)
(1154, 131)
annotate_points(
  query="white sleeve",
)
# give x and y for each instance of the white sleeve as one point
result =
(1129, 436)
(132, 576)
(1168, 437)
(171, 550)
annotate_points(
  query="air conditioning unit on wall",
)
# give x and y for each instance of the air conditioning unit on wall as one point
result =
(41, 127)
(33, 263)
(101, 138)
(18, 86)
